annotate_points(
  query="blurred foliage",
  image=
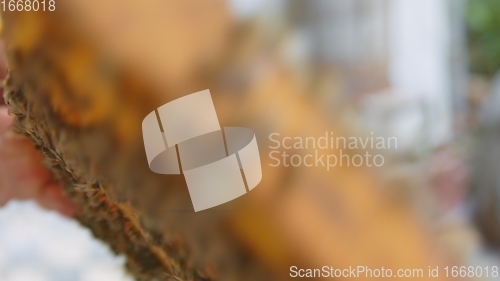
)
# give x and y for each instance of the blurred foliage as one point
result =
(483, 21)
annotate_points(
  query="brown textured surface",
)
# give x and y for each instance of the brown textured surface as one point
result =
(112, 222)
(84, 114)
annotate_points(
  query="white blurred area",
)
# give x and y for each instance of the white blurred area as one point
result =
(38, 245)
(403, 61)
(419, 64)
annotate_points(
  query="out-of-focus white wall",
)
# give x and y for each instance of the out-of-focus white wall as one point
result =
(419, 60)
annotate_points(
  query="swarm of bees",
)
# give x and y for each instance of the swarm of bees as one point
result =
(84, 108)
